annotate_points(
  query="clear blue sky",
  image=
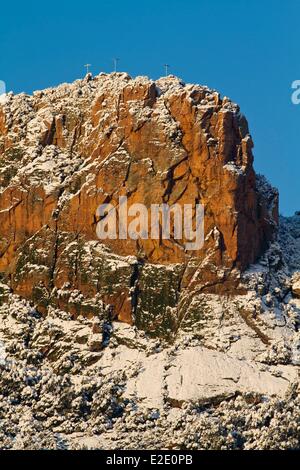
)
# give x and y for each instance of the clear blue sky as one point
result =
(248, 50)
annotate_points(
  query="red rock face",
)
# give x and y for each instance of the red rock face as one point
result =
(67, 150)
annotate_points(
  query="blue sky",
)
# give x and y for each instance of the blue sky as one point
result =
(246, 50)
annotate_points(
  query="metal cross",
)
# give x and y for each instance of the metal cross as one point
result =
(116, 60)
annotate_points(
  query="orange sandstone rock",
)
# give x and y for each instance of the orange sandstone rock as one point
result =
(64, 151)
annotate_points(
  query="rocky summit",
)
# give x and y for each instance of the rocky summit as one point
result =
(65, 151)
(140, 343)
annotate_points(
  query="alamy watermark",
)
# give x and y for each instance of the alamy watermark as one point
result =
(296, 93)
(160, 221)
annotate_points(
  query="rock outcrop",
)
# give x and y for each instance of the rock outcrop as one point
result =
(65, 151)
(109, 344)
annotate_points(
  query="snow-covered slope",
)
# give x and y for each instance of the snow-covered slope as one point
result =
(227, 379)
(105, 349)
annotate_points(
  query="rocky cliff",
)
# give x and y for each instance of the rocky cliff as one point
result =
(65, 151)
(110, 344)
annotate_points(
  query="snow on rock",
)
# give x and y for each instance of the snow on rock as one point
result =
(296, 284)
(66, 150)
(191, 367)
(200, 375)
(133, 391)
